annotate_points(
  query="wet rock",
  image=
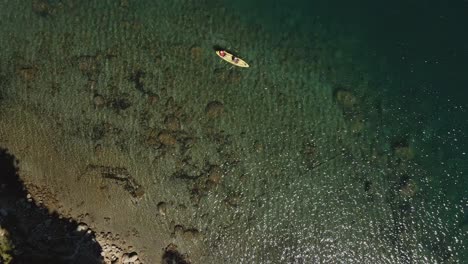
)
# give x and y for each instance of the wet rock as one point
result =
(167, 138)
(82, 227)
(29, 198)
(111, 253)
(6, 247)
(172, 123)
(214, 109)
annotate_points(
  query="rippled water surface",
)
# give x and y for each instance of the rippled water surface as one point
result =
(343, 142)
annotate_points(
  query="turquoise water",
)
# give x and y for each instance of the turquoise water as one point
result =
(344, 142)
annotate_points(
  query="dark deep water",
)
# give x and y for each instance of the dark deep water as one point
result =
(424, 41)
(417, 54)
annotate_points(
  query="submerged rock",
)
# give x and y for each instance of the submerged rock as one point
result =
(357, 125)
(214, 109)
(162, 208)
(41, 7)
(172, 123)
(99, 101)
(120, 104)
(196, 52)
(215, 175)
(191, 233)
(130, 257)
(345, 98)
(89, 66)
(172, 255)
(167, 138)
(405, 153)
(28, 73)
(402, 149)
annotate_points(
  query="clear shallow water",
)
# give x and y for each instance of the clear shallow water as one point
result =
(332, 148)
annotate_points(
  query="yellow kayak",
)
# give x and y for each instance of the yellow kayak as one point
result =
(232, 59)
